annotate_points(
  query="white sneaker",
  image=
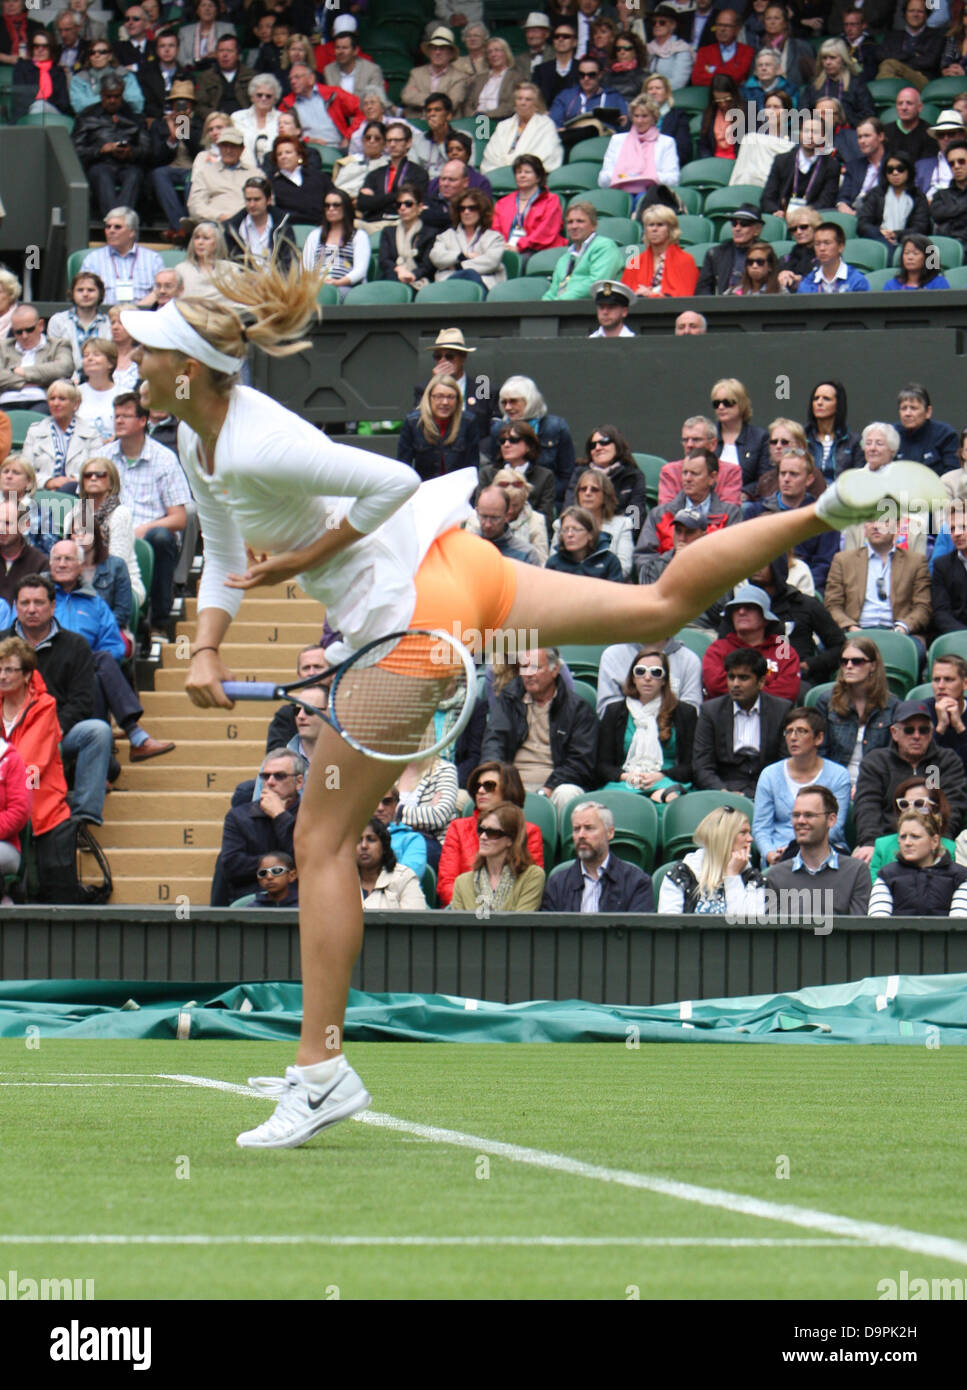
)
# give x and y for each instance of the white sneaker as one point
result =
(303, 1110)
(858, 494)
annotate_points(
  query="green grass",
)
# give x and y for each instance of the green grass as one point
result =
(869, 1133)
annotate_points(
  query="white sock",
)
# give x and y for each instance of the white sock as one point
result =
(318, 1072)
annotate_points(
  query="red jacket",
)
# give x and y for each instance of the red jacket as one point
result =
(728, 486)
(708, 62)
(344, 109)
(36, 737)
(542, 222)
(678, 278)
(784, 669)
(460, 850)
(16, 796)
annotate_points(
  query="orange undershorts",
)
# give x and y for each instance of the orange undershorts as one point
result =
(464, 586)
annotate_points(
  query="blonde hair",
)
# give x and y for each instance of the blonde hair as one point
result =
(643, 102)
(716, 834)
(850, 66)
(659, 213)
(105, 346)
(736, 389)
(68, 388)
(110, 468)
(280, 305)
(507, 50)
(11, 285)
(26, 468)
(428, 423)
(796, 432)
(221, 250)
(660, 77)
(211, 120)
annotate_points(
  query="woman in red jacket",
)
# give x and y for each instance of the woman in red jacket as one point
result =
(530, 219)
(15, 794)
(661, 269)
(30, 724)
(488, 784)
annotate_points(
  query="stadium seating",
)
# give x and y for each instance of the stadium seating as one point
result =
(587, 693)
(623, 230)
(502, 180)
(921, 692)
(812, 696)
(609, 202)
(699, 251)
(692, 99)
(587, 150)
(379, 292)
(847, 220)
(707, 174)
(695, 228)
(722, 202)
(690, 198)
(540, 812)
(572, 179)
(428, 884)
(877, 279)
(524, 287)
(942, 90)
(583, 661)
(957, 279)
(328, 294)
(884, 91)
(651, 465)
(55, 507)
(20, 421)
(658, 875)
(696, 639)
(955, 642)
(543, 262)
(636, 827)
(865, 254)
(684, 814)
(451, 292)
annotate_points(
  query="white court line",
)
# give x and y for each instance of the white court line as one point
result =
(872, 1232)
(526, 1241)
(98, 1085)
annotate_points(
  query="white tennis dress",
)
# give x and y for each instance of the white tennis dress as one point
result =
(278, 483)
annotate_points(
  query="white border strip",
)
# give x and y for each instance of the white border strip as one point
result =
(526, 1241)
(870, 1232)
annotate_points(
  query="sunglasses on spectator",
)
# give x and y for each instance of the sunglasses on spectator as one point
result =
(98, 474)
(756, 260)
(387, 800)
(22, 332)
(587, 72)
(489, 786)
(895, 169)
(273, 872)
(656, 672)
(799, 227)
(510, 439)
(904, 803)
(881, 589)
(916, 730)
(627, 47)
(781, 442)
(493, 832)
(564, 34)
(854, 661)
(277, 776)
(600, 443)
(957, 163)
(100, 50)
(406, 203)
(443, 356)
(727, 402)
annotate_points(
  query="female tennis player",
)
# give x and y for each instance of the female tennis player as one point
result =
(277, 500)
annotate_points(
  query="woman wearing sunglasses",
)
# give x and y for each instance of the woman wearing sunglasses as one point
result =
(894, 205)
(100, 491)
(489, 784)
(860, 707)
(404, 247)
(922, 881)
(913, 794)
(645, 740)
(503, 877)
(665, 53)
(761, 274)
(519, 448)
(85, 85)
(739, 441)
(39, 83)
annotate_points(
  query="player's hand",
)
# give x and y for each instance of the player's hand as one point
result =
(267, 569)
(204, 684)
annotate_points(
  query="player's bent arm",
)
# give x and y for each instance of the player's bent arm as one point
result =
(207, 670)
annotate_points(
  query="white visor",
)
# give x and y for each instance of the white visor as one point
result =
(167, 328)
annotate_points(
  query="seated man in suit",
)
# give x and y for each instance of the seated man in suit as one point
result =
(725, 54)
(863, 174)
(597, 880)
(948, 583)
(700, 472)
(805, 174)
(879, 585)
(947, 704)
(740, 733)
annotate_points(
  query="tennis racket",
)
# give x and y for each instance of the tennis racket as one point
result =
(384, 699)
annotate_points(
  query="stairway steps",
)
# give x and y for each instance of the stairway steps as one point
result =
(194, 889)
(159, 835)
(267, 630)
(174, 678)
(187, 728)
(163, 805)
(236, 655)
(175, 864)
(174, 703)
(162, 775)
(197, 754)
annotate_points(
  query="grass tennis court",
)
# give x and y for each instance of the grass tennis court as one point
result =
(94, 1137)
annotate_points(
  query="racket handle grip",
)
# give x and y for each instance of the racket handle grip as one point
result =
(250, 690)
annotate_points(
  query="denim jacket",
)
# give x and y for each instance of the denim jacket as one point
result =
(841, 730)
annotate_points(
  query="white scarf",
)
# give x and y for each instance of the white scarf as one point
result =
(645, 753)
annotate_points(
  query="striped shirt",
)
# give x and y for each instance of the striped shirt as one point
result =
(152, 482)
(133, 273)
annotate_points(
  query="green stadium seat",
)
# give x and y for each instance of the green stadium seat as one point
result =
(451, 292)
(847, 220)
(590, 150)
(586, 692)
(885, 90)
(47, 118)
(379, 292)
(636, 826)
(813, 695)
(691, 99)
(879, 278)
(328, 295)
(781, 248)
(144, 555)
(329, 156)
(524, 287)
(20, 421)
(172, 256)
(75, 260)
(543, 262)
(247, 900)
(658, 875)
(942, 90)
(540, 812)
(900, 657)
(55, 507)
(428, 884)
(696, 639)
(955, 642)
(684, 814)
(583, 661)
(695, 229)
(930, 113)
(957, 279)
(468, 124)
(722, 202)
(623, 230)
(773, 230)
(691, 199)
(699, 251)
(502, 180)
(707, 174)
(651, 465)
(950, 249)
(610, 202)
(510, 260)
(865, 254)
(574, 178)
(921, 692)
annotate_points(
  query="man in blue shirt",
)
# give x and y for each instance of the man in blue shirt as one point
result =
(80, 610)
(587, 97)
(832, 275)
(922, 438)
(597, 880)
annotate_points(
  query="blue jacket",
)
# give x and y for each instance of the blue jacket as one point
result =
(567, 104)
(935, 443)
(112, 583)
(772, 821)
(557, 449)
(809, 284)
(84, 612)
(625, 888)
(842, 729)
(409, 846)
(432, 460)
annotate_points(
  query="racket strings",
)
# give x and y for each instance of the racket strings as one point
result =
(389, 704)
